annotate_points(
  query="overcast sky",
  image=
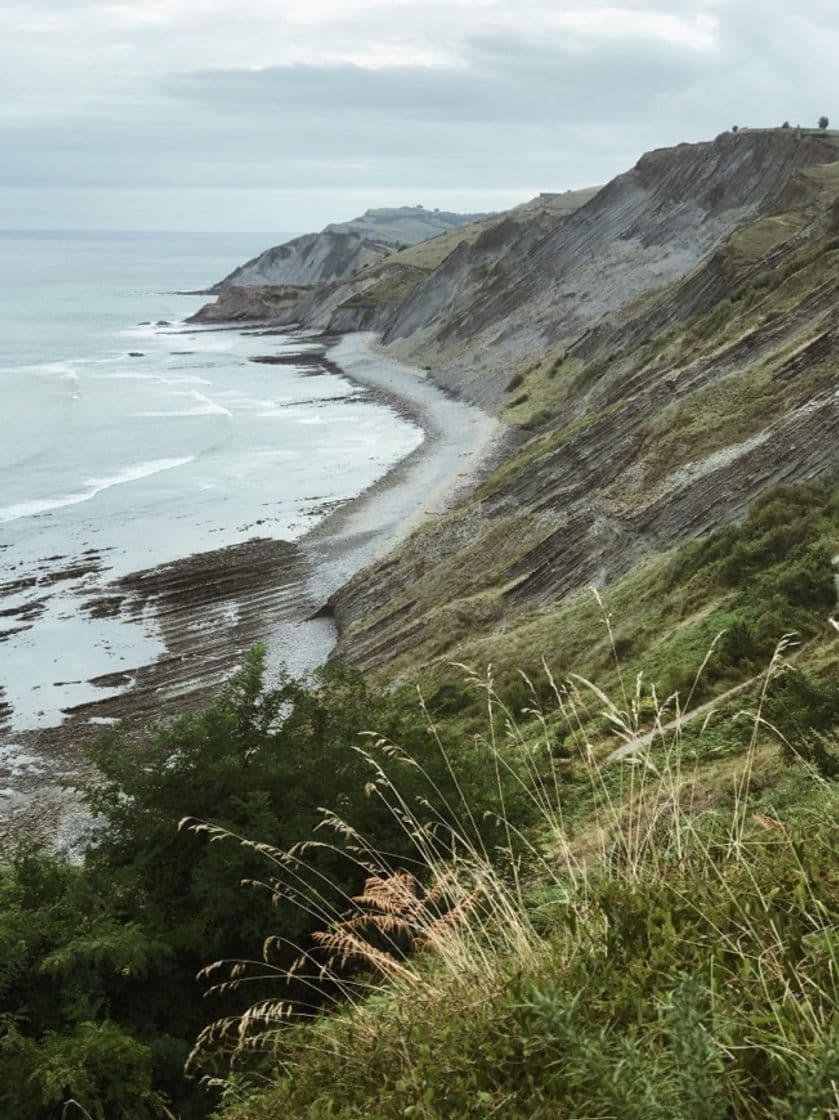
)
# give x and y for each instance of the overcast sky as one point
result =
(286, 114)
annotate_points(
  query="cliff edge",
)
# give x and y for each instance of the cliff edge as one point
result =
(342, 248)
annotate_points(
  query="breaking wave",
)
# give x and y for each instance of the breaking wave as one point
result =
(93, 486)
(203, 407)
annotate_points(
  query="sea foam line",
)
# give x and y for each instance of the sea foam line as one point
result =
(204, 407)
(93, 486)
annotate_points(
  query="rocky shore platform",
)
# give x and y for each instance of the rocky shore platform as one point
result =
(211, 607)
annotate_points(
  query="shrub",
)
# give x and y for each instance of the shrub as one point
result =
(98, 997)
(69, 966)
(688, 971)
(803, 707)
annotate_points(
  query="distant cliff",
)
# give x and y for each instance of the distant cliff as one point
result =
(663, 350)
(373, 277)
(342, 248)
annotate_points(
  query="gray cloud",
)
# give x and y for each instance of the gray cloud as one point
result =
(505, 82)
(188, 96)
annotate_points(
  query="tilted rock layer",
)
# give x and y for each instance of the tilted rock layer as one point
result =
(663, 349)
(666, 353)
(343, 248)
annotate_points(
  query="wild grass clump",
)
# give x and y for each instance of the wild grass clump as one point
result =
(671, 952)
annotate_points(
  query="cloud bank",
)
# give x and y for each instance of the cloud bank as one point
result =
(283, 115)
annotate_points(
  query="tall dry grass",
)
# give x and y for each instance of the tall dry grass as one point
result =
(456, 923)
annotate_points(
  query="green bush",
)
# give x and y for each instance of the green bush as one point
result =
(98, 961)
(68, 967)
(804, 707)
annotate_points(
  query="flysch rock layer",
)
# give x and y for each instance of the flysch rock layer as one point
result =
(668, 351)
(342, 248)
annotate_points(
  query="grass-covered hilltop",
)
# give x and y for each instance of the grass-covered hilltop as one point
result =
(554, 834)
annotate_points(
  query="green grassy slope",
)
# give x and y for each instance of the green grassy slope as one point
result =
(665, 943)
(701, 985)
(542, 931)
(659, 935)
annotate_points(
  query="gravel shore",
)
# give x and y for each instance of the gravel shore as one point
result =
(458, 438)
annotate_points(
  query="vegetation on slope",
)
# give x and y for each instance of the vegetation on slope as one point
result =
(668, 945)
(568, 934)
(662, 422)
(697, 982)
(98, 997)
(750, 583)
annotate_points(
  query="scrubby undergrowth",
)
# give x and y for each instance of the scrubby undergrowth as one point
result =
(462, 908)
(674, 956)
(703, 987)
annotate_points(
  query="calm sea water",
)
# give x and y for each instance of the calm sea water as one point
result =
(146, 443)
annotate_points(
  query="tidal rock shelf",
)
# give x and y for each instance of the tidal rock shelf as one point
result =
(211, 607)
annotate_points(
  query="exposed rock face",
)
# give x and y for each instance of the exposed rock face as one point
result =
(342, 248)
(508, 288)
(315, 258)
(665, 348)
(699, 369)
(496, 304)
(371, 297)
(251, 304)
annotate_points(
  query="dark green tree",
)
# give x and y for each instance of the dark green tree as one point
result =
(70, 967)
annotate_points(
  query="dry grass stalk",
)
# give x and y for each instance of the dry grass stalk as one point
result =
(467, 908)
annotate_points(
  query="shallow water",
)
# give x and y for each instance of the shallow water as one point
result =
(125, 446)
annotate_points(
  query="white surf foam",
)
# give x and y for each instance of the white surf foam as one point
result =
(93, 486)
(187, 379)
(203, 407)
(125, 375)
(42, 369)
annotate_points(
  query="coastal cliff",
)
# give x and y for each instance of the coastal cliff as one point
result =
(662, 354)
(663, 349)
(342, 248)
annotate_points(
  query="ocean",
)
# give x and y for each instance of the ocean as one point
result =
(130, 440)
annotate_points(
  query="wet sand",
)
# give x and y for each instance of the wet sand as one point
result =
(213, 606)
